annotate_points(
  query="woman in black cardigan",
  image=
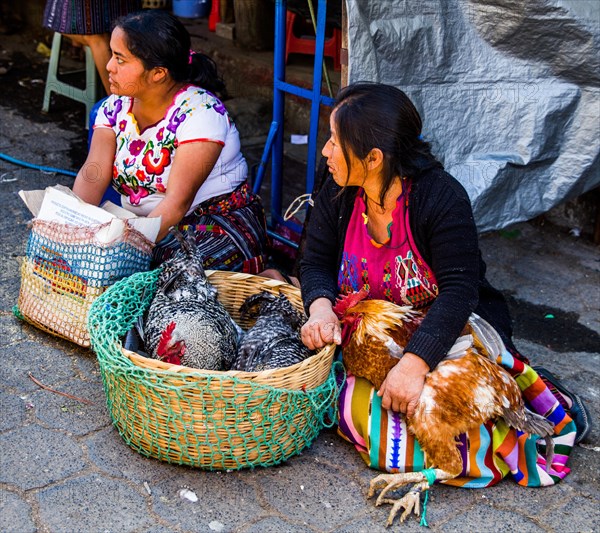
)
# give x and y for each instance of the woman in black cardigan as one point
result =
(376, 151)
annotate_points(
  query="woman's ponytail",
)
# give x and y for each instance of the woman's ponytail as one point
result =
(203, 72)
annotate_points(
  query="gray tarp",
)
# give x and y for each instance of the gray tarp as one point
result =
(509, 92)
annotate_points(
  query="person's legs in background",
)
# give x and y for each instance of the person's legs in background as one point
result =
(100, 46)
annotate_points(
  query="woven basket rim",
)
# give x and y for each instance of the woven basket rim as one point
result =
(36, 222)
(161, 367)
(265, 376)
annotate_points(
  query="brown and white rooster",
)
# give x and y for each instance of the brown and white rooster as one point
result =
(186, 324)
(465, 390)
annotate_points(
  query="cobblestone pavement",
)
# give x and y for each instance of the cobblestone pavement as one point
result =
(64, 467)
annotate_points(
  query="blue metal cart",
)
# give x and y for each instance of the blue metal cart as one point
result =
(274, 144)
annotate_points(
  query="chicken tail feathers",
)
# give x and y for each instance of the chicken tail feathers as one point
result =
(252, 305)
(183, 242)
(186, 262)
(486, 338)
(534, 424)
(537, 424)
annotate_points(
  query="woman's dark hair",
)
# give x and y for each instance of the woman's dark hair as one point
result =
(374, 115)
(159, 39)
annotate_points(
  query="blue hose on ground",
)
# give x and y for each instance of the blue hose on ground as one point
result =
(37, 167)
(110, 194)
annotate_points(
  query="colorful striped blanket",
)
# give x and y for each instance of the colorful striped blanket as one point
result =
(489, 452)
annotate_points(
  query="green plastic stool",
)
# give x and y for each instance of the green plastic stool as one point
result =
(87, 96)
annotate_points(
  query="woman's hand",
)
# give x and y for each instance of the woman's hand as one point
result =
(402, 387)
(322, 327)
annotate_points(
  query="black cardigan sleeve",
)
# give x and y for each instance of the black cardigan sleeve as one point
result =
(442, 223)
(320, 260)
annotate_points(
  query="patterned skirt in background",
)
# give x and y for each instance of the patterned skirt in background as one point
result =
(86, 17)
(230, 230)
(489, 452)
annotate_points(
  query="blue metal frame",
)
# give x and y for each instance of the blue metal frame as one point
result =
(274, 144)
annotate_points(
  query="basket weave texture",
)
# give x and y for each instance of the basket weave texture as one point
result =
(65, 269)
(209, 419)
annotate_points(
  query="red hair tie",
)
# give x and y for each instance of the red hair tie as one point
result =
(190, 56)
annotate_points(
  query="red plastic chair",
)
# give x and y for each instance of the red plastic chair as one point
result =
(305, 44)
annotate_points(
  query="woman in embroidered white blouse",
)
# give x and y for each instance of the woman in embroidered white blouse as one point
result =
(167, 145)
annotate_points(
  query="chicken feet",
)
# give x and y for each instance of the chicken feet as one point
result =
(410, 502)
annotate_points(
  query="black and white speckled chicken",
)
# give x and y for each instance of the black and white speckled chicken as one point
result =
(274, 340)
(186, 324)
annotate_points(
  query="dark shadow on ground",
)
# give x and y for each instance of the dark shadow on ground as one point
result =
(558, 330)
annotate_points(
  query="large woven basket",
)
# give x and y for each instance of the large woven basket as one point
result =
(213, 420)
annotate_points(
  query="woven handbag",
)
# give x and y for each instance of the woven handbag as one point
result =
(66, 268)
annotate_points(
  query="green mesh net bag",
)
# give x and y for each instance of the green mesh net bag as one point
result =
(212, 420)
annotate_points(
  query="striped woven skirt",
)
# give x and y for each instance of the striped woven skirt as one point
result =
(86, 17)
(489, 452)
(230, 231)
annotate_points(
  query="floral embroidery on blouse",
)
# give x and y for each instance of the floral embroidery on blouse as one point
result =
(217, 105)
(175, 120)
(136, 147)
(111, 115)
(144, 158)
(139, 174)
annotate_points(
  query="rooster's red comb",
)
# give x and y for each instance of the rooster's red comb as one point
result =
(344, 303)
